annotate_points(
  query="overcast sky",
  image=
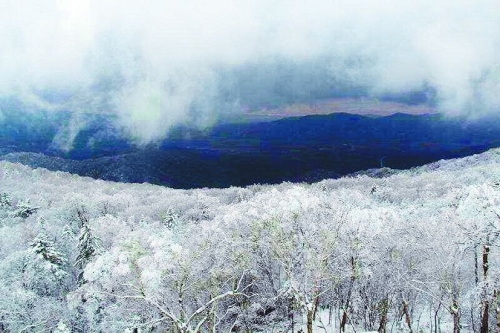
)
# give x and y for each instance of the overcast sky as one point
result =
(155, 64)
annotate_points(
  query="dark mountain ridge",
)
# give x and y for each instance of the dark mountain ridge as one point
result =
(307, 148)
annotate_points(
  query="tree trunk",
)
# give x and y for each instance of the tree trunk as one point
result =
(485, 316)
(472, 320)
(436, 322)
(383, 323)
(498, 318)
(407, 316)
(486, 305)
(456, 322)
(455, 312)
(310, 319)
(330, 314)
(211, 318)
(476, 265)
(211, 323)
(343, 322)
(383, 316)
(315, 307)
(497, 310)
(349, 293)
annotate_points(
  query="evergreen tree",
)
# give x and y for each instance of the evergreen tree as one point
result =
(46, 270)
(46, 251)
(24, 210)
(5, 208)
(5, 201)
(88, 247)
(170, 218)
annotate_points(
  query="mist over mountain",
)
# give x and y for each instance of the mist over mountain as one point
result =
(149, 69)
(296, 149)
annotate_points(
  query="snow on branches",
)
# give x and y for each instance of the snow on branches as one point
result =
(418, 253)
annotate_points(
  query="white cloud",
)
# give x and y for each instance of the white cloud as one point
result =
(157, 63)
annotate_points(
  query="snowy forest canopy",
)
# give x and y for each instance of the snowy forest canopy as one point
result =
(415, 251)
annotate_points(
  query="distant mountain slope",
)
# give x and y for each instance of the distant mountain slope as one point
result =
(403, 130)
(307, 148)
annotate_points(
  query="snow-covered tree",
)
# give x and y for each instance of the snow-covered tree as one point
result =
(88, 247)
(46, 272)
(480, 212)
(5, 201)
(24, 209)
(170, 219)
(418, 253)
(62, 328)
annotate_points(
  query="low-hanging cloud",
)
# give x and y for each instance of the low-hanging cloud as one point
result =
(155, 64)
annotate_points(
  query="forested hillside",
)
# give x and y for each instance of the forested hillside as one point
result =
(415, 251)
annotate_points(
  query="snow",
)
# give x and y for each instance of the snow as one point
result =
(271, 251)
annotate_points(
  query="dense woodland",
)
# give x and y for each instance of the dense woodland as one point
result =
(413, 251)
